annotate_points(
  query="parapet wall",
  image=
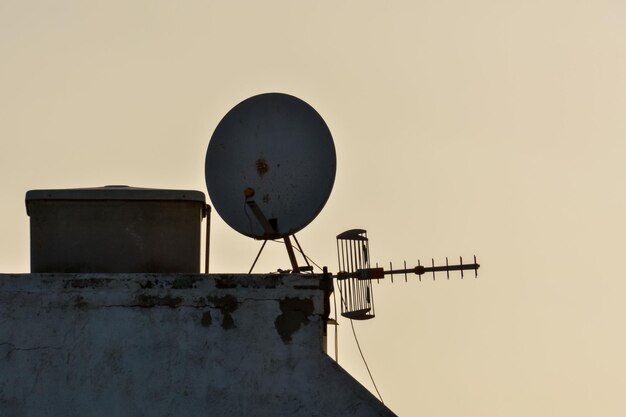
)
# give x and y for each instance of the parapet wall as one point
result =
(170, 345)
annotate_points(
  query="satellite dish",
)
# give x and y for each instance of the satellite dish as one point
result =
(270, 166)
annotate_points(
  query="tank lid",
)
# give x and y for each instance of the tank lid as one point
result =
(115, 192)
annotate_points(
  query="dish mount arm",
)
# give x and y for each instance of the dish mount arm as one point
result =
(271, 233)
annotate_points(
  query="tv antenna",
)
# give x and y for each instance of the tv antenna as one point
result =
(270, 167)
(356, 274)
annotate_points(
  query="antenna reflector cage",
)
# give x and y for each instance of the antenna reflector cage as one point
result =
(355, 275)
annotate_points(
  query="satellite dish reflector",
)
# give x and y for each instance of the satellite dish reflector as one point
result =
(270, 166)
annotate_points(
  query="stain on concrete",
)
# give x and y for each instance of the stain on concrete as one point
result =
(184, 283)
(200, 302)
(80, 303)
(227, 304)
(306, 287)
(149, 301)
(146, 284)
(86, 283)
(224, 283)
(113, 360)
(295, 313)
(206, 319)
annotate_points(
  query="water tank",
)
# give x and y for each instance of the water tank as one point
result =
(115, 229)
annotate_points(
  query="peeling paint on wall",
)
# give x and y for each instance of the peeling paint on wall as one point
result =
(206, 319)
(296, 312)
(226, 304)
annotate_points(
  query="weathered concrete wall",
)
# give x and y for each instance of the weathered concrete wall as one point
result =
(169, 345)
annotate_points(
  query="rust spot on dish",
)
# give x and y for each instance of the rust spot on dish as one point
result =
(261, 167)
(248, 193)
(266, 198)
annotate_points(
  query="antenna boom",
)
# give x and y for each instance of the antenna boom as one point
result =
(379, 273)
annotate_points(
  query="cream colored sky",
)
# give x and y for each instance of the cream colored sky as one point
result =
(487, 127)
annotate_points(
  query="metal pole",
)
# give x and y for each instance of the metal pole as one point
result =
(257, 257)
(292, 255)
(208, 239)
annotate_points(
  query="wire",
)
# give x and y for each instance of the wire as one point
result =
(336, 325)
(303, 254)
(310, 260)
(365, 362)
(358, 345)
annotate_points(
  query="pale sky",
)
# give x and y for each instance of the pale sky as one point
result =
(493, 128)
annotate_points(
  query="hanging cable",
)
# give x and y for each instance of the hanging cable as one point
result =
(365, 362)
(303, 254)
(336, 325)
(358, 345)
